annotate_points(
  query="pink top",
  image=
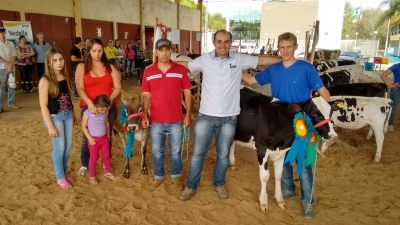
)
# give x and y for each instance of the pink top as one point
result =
(24, 60)
(130, 51)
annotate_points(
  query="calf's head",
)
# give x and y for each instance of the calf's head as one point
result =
(133, 111)
(320, 113)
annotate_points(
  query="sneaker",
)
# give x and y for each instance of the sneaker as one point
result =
(187, 194)
(177, 183)
(127, 78)
(31, 91)
(390, 128)
(288, 194)
(13, 107)
(221, 192)
(155, 184)
(308, 211)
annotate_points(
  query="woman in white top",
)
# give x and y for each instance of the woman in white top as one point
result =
(120, 57)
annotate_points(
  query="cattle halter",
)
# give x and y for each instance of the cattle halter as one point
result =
(322, 123)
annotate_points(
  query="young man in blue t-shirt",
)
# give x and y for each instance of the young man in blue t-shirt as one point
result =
(394, 90)
(292, 81)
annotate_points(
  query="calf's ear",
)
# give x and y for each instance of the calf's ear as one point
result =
(295, 107)
(337, 104)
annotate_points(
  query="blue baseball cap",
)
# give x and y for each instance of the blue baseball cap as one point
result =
(2, 29)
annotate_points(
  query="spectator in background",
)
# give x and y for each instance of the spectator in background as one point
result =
(192, 51)
(139, 57)
(25, 64)
(76, 58)
(130, 57)
(262, 51)
(84, 47)
(7, 59)
(187, 53)
(136, 45)
(111, 52)
(40, 48)
(394, 90)
(119, 59)
(269, 51)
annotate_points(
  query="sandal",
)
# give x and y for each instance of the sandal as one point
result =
(92, 181)
(104, 168)
(64, 184)
(82, 171)
(69, 178)
(111, 176)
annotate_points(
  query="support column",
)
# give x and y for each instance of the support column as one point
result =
(78, 18)
(142, 28)
(200, 7)
(115, 29)
(178, 2)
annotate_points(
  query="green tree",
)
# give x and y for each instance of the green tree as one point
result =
(246, 31)
(216, 21)
(393, 12)
(369, 24)
(348, 30)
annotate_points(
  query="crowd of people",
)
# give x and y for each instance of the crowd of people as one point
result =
(96, 69)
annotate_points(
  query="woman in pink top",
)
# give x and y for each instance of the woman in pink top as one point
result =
(25, 65)
(130, 56)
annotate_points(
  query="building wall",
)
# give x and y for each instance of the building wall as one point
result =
(280, 17)
(123, 11)
(49, 7)
(189, 19)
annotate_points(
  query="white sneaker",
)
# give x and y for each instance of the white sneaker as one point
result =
(390, 128)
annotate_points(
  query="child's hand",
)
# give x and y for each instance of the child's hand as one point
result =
(92, 141)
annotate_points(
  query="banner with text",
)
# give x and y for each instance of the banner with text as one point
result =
(16, 28)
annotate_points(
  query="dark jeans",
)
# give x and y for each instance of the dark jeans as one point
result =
(85, 154)
(40, 69)
(26, 77)
(75, 90)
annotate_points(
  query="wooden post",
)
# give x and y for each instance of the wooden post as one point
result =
(78, 20)
(142, 28)
(307, 46)
(200, 7)
(178, 46)
(315, 41)
(154, 37)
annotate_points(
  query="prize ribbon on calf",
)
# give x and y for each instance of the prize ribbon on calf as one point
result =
(131, 135)
(304, 144)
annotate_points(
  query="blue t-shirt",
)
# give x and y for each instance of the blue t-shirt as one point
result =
(396, 72)
(292, 84)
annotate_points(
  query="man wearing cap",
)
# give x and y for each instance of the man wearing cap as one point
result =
(40, 48)
(162, 87)
(219, 108)
(7, 59)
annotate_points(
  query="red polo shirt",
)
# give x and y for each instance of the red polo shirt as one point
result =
(166, 91)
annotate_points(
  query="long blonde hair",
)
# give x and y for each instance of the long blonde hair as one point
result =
(50, 74)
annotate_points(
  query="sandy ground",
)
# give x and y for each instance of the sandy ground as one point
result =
(349, 187)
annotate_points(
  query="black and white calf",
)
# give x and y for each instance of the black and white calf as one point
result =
(359, 112)
(335, 78)
(358, 89)
(267, 126)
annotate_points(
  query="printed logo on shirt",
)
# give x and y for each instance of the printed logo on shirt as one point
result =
(178, 75)
(232, 66)
(154, 77)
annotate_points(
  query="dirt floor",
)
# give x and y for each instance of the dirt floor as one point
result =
(349, 187)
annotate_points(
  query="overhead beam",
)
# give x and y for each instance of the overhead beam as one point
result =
(78, 18)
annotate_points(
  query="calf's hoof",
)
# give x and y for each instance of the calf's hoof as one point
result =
(144, 171)
(233, 168)
(264, 208)
(126, 174)
(376, 159)
(281, 205)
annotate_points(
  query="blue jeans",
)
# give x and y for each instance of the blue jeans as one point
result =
(63, 122)
(129, 66)
(11, 91)
(395, 97)
(206, 126)
(306, 182)
(157, 137)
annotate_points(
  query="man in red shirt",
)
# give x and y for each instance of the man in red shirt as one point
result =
(162, 85)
